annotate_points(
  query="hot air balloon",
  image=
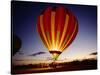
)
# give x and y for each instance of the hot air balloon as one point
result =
(57, 27)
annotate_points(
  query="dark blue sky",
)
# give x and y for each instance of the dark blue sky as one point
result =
(24, 20)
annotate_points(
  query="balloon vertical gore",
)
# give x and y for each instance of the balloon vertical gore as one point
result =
(57, 27)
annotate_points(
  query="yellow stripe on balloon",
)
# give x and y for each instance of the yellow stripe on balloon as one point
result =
(48, 36)
(42, 29)
(70, 37)
(57, 39)
(53, 29)
(64, 42)
(64, 31)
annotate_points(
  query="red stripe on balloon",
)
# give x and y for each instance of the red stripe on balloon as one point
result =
(47, 20)
(70, 27)
(60, 19)
(73, 36)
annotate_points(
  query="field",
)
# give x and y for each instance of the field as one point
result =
(86, 64)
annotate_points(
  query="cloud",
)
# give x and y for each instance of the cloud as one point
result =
(38, 53)
(94, 53)
(21, 53)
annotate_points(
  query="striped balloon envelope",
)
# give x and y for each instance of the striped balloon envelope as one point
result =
(57, 27)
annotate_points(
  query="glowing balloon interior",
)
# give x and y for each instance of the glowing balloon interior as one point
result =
(57, 27)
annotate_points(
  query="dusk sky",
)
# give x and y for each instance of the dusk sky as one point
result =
(24, 21)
